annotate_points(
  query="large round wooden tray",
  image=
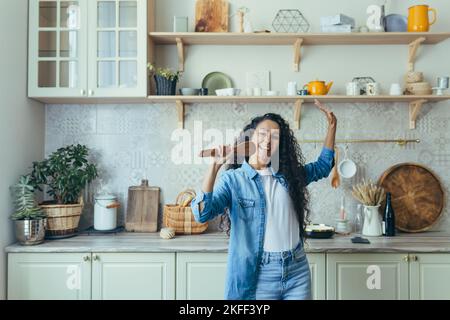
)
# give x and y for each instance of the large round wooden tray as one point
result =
(417, 196)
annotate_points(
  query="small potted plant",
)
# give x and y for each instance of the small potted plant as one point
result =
(29, 219)
(166, 80)
(65, 173)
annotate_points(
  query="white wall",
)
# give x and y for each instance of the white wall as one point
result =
(21, 119)
(132, 142)
(387, 64)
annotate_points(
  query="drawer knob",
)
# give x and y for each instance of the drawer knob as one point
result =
(95, 257)
(86, 258)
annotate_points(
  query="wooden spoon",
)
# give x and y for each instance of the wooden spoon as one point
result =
(335, 180)
(246, 148)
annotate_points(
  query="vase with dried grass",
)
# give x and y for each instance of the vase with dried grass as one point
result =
(371, 196)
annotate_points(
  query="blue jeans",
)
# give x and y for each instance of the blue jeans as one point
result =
(284, 276)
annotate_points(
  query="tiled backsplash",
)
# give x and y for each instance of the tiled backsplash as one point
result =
(131, 142)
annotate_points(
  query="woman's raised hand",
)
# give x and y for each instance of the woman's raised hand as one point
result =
(330, 115)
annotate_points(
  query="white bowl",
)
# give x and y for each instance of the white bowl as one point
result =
(271, 93)
(228, 92)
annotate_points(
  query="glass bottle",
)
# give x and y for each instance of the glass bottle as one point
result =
(358, 221)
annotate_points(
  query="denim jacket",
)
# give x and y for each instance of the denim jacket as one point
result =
(241, 191)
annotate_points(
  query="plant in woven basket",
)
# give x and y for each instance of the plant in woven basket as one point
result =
(24, 201)
(368, 193)
(166, 79)
(66, 173)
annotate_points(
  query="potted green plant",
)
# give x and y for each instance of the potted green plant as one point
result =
(65, 173)
(166, 80)
(29, 219)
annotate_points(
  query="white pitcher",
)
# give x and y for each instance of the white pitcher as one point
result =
(372, 222)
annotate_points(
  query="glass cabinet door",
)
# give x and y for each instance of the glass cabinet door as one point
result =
(57, 48)
(117, 48)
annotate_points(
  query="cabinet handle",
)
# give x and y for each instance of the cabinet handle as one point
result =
(406, 258)
(86, 258)
(91, 92)
(83, 92)
(415, 258)
(95, 257)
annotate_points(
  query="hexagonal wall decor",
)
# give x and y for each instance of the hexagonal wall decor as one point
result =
(290, 20)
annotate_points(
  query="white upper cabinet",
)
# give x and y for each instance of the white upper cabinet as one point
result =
(87, 48)
(117, 50)
(57, 50)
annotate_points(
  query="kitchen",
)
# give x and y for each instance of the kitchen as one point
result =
(101, 81)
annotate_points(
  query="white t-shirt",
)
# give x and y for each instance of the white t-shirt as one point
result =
(282, 227)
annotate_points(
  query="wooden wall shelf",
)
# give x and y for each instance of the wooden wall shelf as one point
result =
(415, 102)
(274, 39)
(296, 40)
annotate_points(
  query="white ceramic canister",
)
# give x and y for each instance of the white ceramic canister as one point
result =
(105, 212)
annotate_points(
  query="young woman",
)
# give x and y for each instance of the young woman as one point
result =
(267, 201)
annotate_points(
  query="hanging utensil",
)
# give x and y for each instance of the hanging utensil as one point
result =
(335, 180)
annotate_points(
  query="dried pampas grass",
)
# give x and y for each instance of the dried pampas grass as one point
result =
(368, 193)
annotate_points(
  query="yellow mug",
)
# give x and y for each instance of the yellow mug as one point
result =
(418, 19)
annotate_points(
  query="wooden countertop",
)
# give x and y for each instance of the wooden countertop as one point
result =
(429, 242)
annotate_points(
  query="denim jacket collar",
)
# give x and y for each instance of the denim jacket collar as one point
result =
(251, 172)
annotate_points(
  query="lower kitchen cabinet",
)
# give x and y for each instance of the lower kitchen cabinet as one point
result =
(317, 266)
(201, 276)
(70, 276)
(370, 276)
(49, 276)
(135, 276)
(430, 276)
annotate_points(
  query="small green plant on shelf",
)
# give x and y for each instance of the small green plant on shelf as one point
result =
(66, 172)
(25, 204)
(166, 73)
(166, 80)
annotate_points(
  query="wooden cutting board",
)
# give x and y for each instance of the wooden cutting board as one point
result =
(417, 196)
(211, 16)
(143, 207)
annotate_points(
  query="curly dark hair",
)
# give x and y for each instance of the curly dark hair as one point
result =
(291, 166)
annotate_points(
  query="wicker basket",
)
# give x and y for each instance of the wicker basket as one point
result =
(62, 219)
(179, 216)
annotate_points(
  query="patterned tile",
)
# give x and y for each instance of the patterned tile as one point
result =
(132, 142)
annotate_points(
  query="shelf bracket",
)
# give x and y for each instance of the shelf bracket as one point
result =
(297, 113)
(180, 113)
(414, 109)
(180, 49)
(413, 47)
(297, 54)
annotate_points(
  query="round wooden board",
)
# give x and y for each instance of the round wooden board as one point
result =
(417, 196)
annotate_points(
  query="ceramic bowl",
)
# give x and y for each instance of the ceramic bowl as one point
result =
(396, 23)
(228, 92)
(189, 92)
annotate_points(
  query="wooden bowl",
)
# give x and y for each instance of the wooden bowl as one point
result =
(414, 76)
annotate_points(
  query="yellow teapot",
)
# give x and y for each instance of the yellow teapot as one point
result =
(318, 88)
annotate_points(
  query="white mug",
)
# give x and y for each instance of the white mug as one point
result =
(373, 89)
(292, 88)
(257, 91)
(353, 89)
(396, 89)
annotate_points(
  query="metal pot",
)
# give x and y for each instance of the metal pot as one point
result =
(30, 232)
(105, 212)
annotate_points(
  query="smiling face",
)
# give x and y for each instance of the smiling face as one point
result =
(267, 140)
